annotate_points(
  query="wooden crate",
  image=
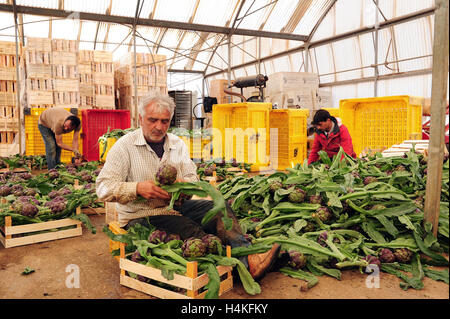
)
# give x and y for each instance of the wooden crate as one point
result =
(86, 89)
(40, 97)
(102, 56)
(7, 47)
(85, 56)
(66, 99)
(104, 101)
(8, 98)
(40, 84)
(191, 281)
(64, 45)
(40, 44)
(8, 73)
(9, 125)
(54, 228)
(67, 85)
(7, 137)
(37, 57)
(85, 69)
(39, 71)
(64, 58)
(103, 78)
(65, 71)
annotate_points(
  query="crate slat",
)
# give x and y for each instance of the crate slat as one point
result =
(150, 289)
(154, 273)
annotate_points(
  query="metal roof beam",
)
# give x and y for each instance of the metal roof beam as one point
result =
(151, 22)
(383, 25)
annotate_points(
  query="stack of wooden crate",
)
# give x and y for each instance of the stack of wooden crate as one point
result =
(151, 74)
(37, 72)
(96, 73)
(9, 120)
(85, 58)
(64, 64)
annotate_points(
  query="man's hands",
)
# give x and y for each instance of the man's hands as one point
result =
(149, 190)
(77, 153)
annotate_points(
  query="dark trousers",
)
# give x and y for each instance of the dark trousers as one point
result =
(189, 224)
(52, 150)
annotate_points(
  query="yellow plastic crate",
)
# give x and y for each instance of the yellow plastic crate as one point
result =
(291, 137)
(101, 148)
(377, 123)
(34, 144)
(200, 148)
(241, 131)
(334, 111)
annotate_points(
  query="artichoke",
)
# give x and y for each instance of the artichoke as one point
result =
(29, 192)
(137, 257)
(53, 173)
(209, 171)
(5, 190)
(274, 186)
(171, 237)
(166, 175)
(296, 259)
(26, 176)
(212, 243)
(310, 227)
(64, 191)
(370, 179)
(157, 236)
(386, 256)
(193, 247)
(403, 255)
(372, 260)
(323, 213)
(315, 199)
(29, 210)
(321, 239)
(53, 194)
(297, 195)
(28, 199)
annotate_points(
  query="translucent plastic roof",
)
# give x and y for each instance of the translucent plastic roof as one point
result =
(340, 34)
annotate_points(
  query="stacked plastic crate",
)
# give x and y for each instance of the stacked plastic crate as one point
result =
(151, 74)
(9, 121)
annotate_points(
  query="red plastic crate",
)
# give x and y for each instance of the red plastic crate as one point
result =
(95, 123)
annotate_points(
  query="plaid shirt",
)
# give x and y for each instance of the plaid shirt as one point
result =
(131, 160)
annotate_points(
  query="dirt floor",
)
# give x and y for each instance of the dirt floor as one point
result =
(56, 262)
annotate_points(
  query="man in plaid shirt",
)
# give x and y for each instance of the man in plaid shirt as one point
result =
(129, 172)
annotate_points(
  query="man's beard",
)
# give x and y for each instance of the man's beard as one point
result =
(157, 136)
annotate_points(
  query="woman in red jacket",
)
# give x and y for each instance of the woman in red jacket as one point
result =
(330, 136)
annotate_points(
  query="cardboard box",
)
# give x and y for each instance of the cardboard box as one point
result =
(291, 81)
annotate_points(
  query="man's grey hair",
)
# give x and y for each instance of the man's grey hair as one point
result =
(163, 101)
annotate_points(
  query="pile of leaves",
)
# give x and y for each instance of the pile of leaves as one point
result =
(167, 252)
(36, 162)
(50, 195)
(347, 213)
